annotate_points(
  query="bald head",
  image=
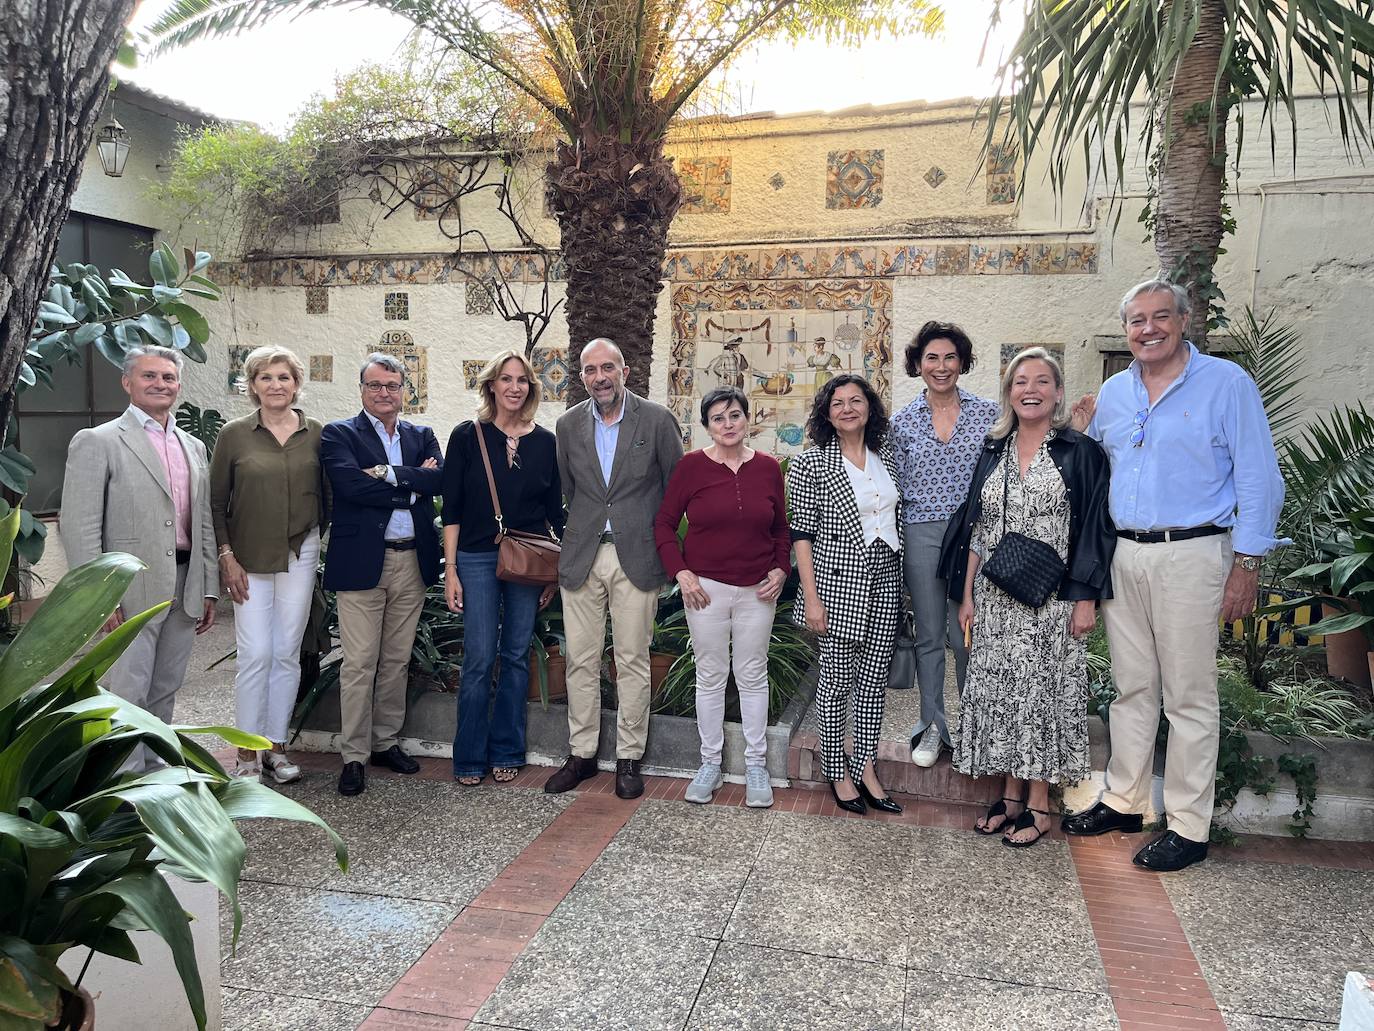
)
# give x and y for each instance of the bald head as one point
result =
(603, 374)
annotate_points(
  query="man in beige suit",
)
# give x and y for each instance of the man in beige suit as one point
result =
(139, 485)
(615, 454)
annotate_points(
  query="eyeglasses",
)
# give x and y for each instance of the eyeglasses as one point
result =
(1138, 432)
(379, 388)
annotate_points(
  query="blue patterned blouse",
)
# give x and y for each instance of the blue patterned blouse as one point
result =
(934, 475)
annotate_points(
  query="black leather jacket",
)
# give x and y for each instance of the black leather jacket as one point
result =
(1092, 537)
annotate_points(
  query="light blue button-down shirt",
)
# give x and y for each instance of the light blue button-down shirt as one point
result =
(1206, 455)
(401, 525)
(606, 437)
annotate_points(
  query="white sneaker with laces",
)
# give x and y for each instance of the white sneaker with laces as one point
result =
(281, 769)
(758, 793)
(705, 784)
(928, 749)
(245, 769)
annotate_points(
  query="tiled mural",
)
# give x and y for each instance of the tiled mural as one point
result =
(235, 382)
(705, 185)
(935, 175)
(554, 371)
(477, 299)
(1001, 174)
(396, 307)
(321, 368)
(779, 342)
(399, 344)
(854, 179)
(316, 300)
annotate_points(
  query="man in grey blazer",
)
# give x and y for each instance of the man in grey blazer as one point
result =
(615, 453)
(139, 485)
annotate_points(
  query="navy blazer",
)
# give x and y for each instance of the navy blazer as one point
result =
(363, 504)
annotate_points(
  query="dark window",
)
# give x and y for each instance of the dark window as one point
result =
(1114, 362)
(82, 395)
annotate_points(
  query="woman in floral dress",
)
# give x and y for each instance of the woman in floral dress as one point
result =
(1024, 708)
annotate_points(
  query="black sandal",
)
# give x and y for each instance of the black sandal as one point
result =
(998, 808)
(1026, 821)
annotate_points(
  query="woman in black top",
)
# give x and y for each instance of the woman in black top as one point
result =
(498, 617)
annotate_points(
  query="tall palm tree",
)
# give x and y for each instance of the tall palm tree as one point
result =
(1068, 84)
(613, 74)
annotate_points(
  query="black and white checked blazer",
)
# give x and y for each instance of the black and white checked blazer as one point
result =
(822, 510)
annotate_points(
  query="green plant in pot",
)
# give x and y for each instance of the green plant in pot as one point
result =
(83, 843)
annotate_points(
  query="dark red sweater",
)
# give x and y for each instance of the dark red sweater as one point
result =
(736, 522)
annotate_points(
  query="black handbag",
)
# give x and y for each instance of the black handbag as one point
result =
(1027, 569)
(901, 675)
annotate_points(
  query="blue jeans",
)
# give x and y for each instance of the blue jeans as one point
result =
(498, 623)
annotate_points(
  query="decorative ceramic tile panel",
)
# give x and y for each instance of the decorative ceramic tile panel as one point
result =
(477, 299)
(321, 368)
(437, 189)
(778, 341)
(853, 179)
(777, 181)
(552, 369)
(984, 258)
(472, 368)
(400, 344)
(1001, 174)
(705, 185)
(316, 300)
(235, 383)
(935, 175)
(396, 307)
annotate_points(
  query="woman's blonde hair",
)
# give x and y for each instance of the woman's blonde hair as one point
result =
(1006, 416)
(263, 357)
(486, 407)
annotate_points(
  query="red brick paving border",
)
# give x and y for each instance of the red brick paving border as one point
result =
(1153, 978)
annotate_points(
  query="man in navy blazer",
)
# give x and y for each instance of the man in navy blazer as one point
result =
(383, 552)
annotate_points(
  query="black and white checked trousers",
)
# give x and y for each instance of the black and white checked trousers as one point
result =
(859, 670)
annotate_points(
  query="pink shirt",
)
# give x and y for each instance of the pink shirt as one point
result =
(178, 472)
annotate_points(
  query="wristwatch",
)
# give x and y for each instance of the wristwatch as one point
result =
(378, 471)
(1249, 563)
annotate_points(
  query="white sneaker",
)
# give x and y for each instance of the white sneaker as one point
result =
(245, 769)
(705, 784)
(928, 749)
(281, 769)
(758, 793)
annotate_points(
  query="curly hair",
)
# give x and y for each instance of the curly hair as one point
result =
(931, 332)
(818, 425)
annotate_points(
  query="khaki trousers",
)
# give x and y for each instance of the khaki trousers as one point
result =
(632, 624)
(1162, 627)
(153, 667)
(376, 631)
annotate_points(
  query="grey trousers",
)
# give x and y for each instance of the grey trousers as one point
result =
(152, 668)
(937, 622)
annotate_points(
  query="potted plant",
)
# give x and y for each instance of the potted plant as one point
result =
(548, 665)
(83, 843)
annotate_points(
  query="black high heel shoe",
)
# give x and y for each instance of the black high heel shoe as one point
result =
(849, 805)
(883, 805)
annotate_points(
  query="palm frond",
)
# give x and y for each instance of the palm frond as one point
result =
(1272, 353)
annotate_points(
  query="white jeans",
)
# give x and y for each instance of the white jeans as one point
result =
(735, 614)
(268, 628)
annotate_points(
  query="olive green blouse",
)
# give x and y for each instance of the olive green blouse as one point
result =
(266, 497)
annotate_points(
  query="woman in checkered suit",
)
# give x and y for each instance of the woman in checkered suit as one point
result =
(844, 520)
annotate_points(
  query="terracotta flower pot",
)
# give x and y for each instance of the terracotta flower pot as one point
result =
(1347, 653)
(659, 664)
(78, 1012)
(557, 665)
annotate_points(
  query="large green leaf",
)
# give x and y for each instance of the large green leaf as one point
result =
(232, 735)
(250, 800)
(9, 529)
(77, 607)
(193, 321)
(30, 834)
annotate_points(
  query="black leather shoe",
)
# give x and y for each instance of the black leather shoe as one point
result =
(883, 805)
(395, 759)
(1099, 820)
(849, 805)
(1170, 852)
(573, 772)
(628, 782)
(353, 780)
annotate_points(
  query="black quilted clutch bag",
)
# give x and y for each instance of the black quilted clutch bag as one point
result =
(1027, 569)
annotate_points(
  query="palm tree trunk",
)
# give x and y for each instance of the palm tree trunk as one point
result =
(614, 202)
(1192, 167)
(57, 71)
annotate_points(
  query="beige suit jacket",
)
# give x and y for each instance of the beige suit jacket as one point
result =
(115, 497)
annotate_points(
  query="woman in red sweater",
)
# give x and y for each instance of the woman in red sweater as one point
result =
(731, 568)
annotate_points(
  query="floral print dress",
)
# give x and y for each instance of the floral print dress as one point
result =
(1024, 708)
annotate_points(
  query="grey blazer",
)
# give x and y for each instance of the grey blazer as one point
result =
(649, 445)
(116, 497)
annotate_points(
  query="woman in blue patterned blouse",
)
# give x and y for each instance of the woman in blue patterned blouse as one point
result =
(936, 440)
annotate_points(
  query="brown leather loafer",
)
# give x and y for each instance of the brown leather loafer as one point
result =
(573, 772)
(628, 782)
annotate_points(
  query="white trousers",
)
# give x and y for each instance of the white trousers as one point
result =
(735, 620)
(1162, 628)
(268, 628)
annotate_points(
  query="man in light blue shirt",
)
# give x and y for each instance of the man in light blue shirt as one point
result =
(1195, 497)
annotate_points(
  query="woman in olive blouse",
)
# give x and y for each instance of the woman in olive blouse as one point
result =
(267, 497)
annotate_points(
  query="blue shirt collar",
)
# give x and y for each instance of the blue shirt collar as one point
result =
(1187, 368)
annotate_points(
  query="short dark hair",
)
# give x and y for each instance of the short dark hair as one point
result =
(720, 394)
(933, 331)
(818, 423)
